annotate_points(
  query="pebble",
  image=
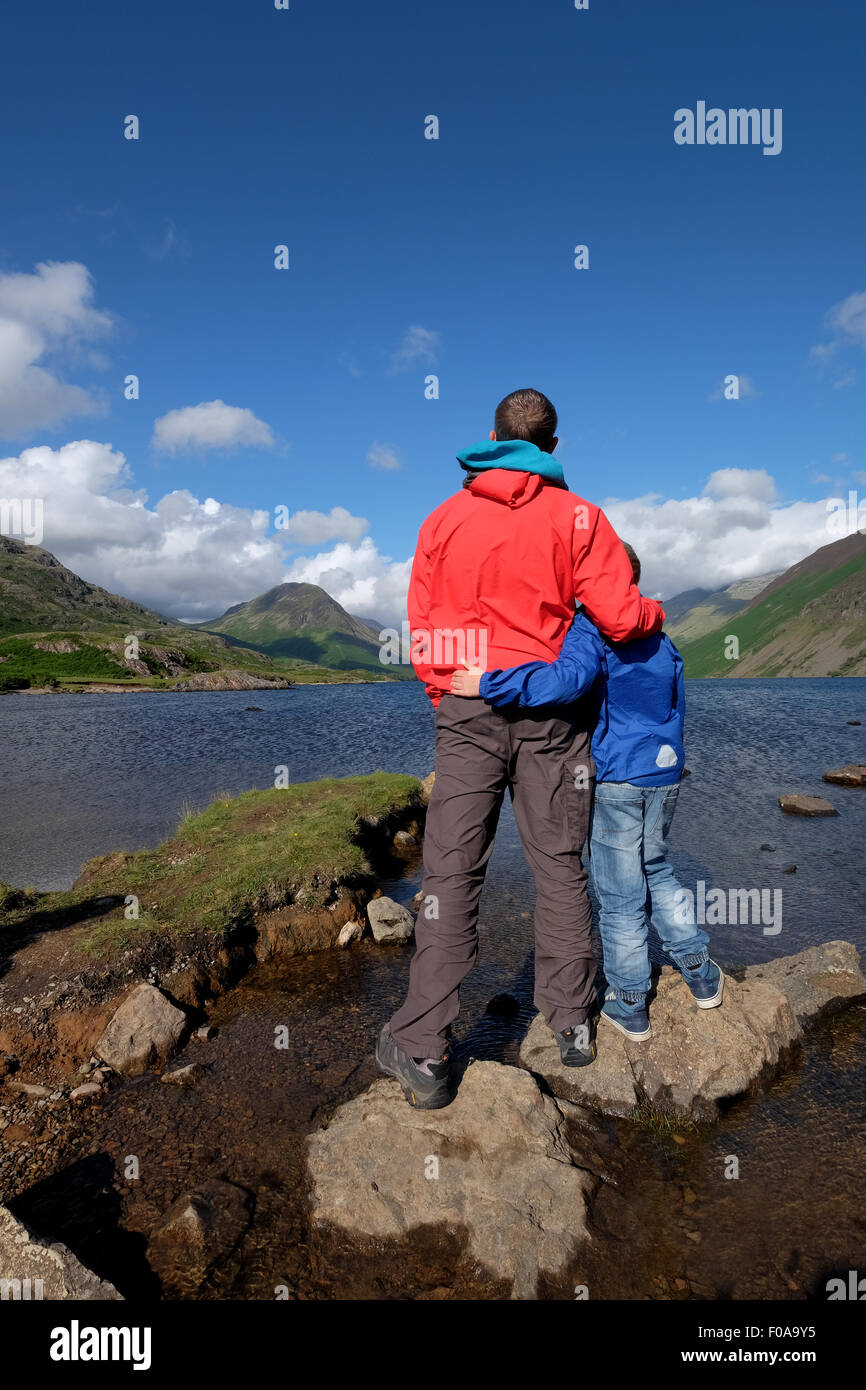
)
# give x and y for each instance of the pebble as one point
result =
(87, 1091)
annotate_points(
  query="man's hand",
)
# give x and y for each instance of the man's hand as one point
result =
(467, 682)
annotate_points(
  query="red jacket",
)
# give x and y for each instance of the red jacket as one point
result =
(497, 571)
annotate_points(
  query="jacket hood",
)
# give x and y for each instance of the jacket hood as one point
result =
(517, 455)
(500, 485)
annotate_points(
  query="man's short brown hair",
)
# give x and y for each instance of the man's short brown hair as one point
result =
(635, 562)
(526, 414)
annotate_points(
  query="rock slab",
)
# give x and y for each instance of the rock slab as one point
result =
(504, 1172)
(699, 1058)
(797, 805)
(145, 1030)
(390, 921)
(25, 1256)
(854, 775)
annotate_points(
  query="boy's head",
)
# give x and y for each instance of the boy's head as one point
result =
(635, 562)
(529, 415)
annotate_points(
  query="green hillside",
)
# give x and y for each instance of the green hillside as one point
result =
(56, 629)
(301, 622)
(697, 611)
(811, 621)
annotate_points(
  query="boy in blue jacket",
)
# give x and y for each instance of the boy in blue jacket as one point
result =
(638, 752)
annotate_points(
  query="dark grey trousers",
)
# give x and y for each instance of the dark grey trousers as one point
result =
(546, 764)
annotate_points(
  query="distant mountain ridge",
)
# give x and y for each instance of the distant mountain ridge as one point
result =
(302, 621)
(696, 611)
(809, 621)
(58, 628)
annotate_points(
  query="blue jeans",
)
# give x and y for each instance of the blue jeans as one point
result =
(634, 883)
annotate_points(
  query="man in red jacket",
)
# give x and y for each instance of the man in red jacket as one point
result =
(497, 571)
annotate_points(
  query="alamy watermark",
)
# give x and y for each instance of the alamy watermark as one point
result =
(720, 907)
(441, 647)
(736, 126)
(23, 518)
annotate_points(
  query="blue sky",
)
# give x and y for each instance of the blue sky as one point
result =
(409, 256)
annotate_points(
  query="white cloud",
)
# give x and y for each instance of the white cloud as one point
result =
(316, 528)
(383, 456)
(734, 530)
(45, 314)
(183, 556)
(193, 558)
(845, 326)
(210, 425)
(419, 346)
(366, 583)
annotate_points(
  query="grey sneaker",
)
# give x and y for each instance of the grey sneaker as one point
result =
(577, 1046)
(426, 1085)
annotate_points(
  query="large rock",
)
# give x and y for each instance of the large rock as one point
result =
(854, 775)
(699, 1058)
(145, 1030)
(817, 981)
(199, 1229)
(505, 1172)
(389, 920)
(26, 1257)
(797, 805)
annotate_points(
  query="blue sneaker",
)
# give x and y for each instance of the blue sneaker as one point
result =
(630, 1019)
(707, 984)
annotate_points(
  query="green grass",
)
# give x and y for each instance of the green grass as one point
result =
(24, 659)
(262, 850)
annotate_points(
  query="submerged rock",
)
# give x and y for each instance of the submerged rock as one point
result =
(796, 804)
(145, 1029)
(198, 1229)
(495, 1162)
(38, 1268)
(699, 1058)
(854, 775)
(390, 921)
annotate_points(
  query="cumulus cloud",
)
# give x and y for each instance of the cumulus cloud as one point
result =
(316, 528)
(183, 556)
(419, 346)
(44, 315)
(383, 456)
(193, 558)
(210, 425)
(366, 583)
(734, 529)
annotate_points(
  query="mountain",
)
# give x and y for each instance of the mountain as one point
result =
(37, 592)
(56, 628)
(810, 621)
(301, 621)
(696, 611)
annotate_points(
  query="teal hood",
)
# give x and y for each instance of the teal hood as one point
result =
(517, 455)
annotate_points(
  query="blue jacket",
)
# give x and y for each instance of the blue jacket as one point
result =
(639, 686)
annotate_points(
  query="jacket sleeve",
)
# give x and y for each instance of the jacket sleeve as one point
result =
(603, 582)
(558, 682)
(418, 605)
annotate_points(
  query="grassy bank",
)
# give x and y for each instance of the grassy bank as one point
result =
(241, 858)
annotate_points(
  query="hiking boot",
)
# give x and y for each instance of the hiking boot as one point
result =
(427, 1084)
(577, 1045)
(630, 1019)
(706, 983)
